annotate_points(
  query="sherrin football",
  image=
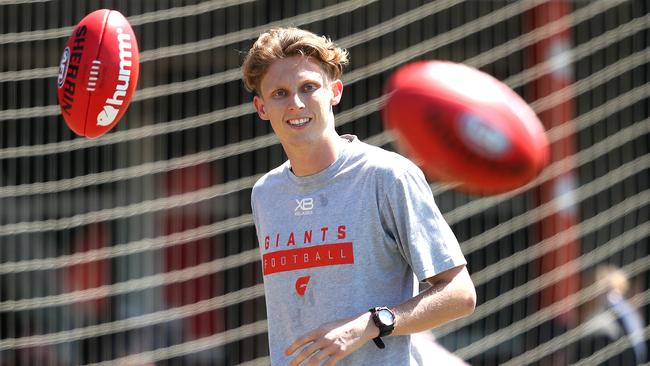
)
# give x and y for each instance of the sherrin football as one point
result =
(463, 126)
(98, 73)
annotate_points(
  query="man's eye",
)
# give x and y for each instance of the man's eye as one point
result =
(310, 87)
(279, 93)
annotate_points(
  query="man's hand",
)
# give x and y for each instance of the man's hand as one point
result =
(334, 341)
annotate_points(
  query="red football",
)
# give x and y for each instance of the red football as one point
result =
(98, 73)
(464, 126)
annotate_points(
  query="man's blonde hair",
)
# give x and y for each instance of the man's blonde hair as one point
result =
(280, 43)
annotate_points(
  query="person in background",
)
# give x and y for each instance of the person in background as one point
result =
(611, 316)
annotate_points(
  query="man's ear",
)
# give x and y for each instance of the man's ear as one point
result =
(258, 102)
(337, 91)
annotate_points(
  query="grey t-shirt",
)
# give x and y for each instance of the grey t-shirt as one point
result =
(351, 237)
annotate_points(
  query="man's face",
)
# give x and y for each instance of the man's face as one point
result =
(297, 98)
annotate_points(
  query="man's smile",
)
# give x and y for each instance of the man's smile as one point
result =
(298, 122)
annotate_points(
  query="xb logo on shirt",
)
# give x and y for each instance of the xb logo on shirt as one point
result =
(304, 206)
(301, 285)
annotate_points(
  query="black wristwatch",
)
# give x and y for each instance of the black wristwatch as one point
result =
(384, 319)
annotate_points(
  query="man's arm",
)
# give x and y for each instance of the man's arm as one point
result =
(451, 296)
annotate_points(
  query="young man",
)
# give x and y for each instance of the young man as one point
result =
(344, 228)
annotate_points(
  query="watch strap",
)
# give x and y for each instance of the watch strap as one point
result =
(380, 344)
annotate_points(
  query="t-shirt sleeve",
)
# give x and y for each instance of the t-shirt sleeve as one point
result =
(412, 218)
(254, 212)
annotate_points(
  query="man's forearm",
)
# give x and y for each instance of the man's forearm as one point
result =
(451, 296)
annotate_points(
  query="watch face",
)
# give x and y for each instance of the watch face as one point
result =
(386, 317)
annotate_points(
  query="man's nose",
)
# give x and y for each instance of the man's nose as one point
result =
(295, 102)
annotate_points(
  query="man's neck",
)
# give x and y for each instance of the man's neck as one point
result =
(311, 159)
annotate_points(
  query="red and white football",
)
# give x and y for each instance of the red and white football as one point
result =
(463, 126)
(98, 73)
